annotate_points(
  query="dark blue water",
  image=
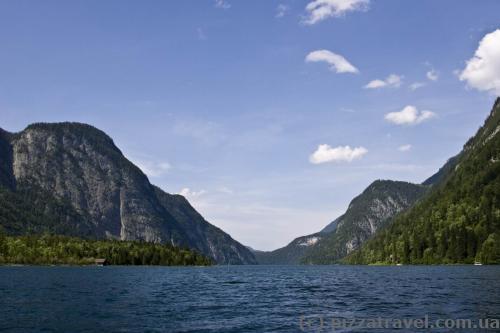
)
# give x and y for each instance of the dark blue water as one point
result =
(239, 298)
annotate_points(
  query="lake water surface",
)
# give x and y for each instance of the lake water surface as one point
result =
(241, 298)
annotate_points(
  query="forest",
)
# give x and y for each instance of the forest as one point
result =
(458, 222)
(48, 249)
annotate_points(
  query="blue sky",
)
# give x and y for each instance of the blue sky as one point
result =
(227, 101)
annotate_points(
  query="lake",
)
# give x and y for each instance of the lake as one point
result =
(244, 298)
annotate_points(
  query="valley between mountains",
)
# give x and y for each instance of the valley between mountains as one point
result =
(452, 217)
(70, 179)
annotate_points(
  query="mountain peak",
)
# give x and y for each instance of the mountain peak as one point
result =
(74, 128)
(78, 167)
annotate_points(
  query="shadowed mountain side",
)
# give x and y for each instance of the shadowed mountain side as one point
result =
(76, 172)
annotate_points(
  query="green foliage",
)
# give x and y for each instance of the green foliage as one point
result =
(57, 250)
(30, 210)
(352, 225)
(58, 191)
(6, 173)
(458, 222)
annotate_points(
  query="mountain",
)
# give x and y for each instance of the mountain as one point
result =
(71, 179)
(443, 172)
(290, 254)
(366, 213)
(459, 220)
(331, 227)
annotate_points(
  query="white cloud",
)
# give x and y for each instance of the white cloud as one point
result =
(337, 62)
(482, 71)
(319, 10)
(416, 85)
(153, 169)
(375, 84)
(409, 116)
(392, 80)
(324, 153)
(432, 75)
(404, 148)
(222, 4)
(281, 10)
(188, 193)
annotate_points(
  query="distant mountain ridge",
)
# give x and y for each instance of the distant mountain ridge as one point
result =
(290, 254)
(378, 203)
(70, 178)
(366, 214)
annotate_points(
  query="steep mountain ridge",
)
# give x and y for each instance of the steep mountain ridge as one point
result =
(459, 220)
(80, 169)
(366, 213)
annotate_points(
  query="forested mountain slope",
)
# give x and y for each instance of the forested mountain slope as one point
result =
(368, 212)
(458, 221)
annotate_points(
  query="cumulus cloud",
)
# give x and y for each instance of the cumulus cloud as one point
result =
(324, 153)
(319, 10)
(222, 4)
(337, 63)
(409, 116)
(188, 193)
(416, 85)
(392, 80)
(153, 169)
(404, 148)
(482, 71)
(281, 10)
(432, 75)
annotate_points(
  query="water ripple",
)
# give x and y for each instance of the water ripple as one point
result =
(236, 298)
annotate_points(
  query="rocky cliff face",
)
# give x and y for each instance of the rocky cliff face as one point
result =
(81, 166)
(205, 237)
(366, 213)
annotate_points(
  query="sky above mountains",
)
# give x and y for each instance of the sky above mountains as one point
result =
(270, 116)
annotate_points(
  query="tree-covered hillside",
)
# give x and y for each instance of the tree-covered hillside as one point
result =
(291, 254)
(53, 250)
(366, 214)
(458, 221)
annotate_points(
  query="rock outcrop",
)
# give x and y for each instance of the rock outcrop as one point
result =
(105, 194)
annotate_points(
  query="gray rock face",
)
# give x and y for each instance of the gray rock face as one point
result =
(81, 165)
(202, 235)
(366, 213)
